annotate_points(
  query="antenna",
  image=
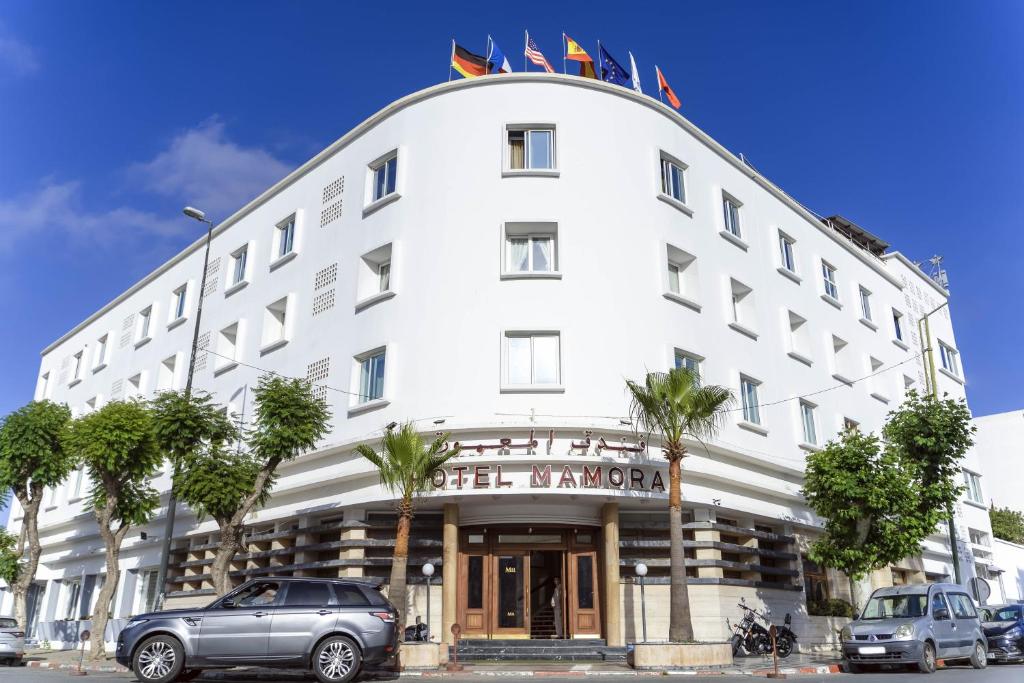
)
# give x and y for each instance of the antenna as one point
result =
(938, 272)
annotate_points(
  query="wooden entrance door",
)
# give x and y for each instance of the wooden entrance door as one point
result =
(584, 610)
(511, 613)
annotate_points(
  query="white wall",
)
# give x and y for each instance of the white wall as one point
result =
(999, 448)
(1010, 558)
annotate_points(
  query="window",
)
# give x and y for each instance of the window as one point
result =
(275, 327)
(135, 387)
(897, 324)
(682, 281)
(531, 249)
(227, 348)
(308, 594)
(78, 477)
(375, 281)
(878, 379)
(178, 302)
(807, 420)
(799, 338)
(91, 405)
(939, 603)
(351, 596)
(531, 149)
(371, 377)
(841, 360)
(44, 387)
(239, 262)
(963, 608)
(145, 318)
(688, 361)
(166, 378)
(786, 252)
(73, 590)
(257, 595)
(384, 176)
(285, 237)
(815, 581)
(973, 482)
(384, 276)
(532, 359)
(731, 213)
(850, 425)
(100, 360)
(76, 374)
(949, 359)
(742, 309)
(865, 304)
(978, 537)
(828, 274)
(672, 179)
(147, 591)
(908, 383)
(748, 394)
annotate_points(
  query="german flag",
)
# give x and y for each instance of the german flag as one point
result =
(467, 63)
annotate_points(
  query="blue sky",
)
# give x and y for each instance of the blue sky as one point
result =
(905, 117)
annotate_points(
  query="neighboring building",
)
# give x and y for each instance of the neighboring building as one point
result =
(493, 257)
(999, 443)
(1008, 582)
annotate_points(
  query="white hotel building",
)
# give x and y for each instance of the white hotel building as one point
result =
(494, 257)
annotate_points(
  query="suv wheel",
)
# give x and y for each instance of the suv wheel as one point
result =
(159, 659)
(927, 664)
(336, 660)
(979, 657)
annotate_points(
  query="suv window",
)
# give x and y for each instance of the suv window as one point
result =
(963, 608)
(8, 623)
(262, 593)
(374, 596)
(307, 594)
(350, 596)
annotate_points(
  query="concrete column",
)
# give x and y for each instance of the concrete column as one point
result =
(355, 533)
(449, 571)
(612, 598)
(710, 535)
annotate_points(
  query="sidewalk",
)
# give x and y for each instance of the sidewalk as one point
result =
(749, 666)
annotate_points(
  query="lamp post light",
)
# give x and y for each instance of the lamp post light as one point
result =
(428, 571)
(172, 503)
(641, 571)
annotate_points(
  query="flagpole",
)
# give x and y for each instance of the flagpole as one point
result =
(565, 69)
(487, 55)
(451, 59)
(526, 43)
(600, 63)
(657, 77)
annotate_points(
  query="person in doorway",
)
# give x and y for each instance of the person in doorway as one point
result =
(556, 605)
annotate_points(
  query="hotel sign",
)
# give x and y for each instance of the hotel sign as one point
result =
(570, 476)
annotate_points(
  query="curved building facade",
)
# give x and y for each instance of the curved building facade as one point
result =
(493, 258)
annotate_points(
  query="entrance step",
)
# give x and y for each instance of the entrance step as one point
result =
(548, 649)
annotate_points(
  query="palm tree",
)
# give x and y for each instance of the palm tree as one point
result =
(676, 406)
(406, 465)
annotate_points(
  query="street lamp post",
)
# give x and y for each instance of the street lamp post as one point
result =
(428, 571)
(172, 503)
(641, 572)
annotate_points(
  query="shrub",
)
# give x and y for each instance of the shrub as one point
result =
(832, 607)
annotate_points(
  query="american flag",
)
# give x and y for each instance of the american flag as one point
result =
(536, 56)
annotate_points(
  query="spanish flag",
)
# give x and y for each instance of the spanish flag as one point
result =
(576, 53)
(466, 63)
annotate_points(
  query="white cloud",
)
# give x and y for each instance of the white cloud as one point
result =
(57, 206)
(202, 168)
(15, 56)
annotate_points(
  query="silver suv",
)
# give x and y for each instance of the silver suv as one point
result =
(917, 624)
(332, 627)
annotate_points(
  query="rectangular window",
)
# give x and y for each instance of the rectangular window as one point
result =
(865, 304)
(78, 476)
(531, 149)
(786, 252)
(384, 276)
(681, 277)
(134, 386)
(385, 175)
(748, 394)
(166, 378)
(275, 318)
(815, 581)
(973, 483)
(375, 276)
(44, 387)
(742, 308)
(828, 274)
(807, 419)
(688, 361)
(145, 318)
(799, 337)
(530, 254)
(74, 592)
(227, 347)
(77, 373)
(897, 324)
(842, 365)
(178, 299)
(731, 211)
(673, 277)
(850, 425)
(147, 591)
(101, 353)
(239, 261)
(532, 359)
(371, 377)
(286, 237)
(672, 180)
(949, 359)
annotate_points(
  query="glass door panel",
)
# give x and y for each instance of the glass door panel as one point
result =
(584, 610)
(512, 613)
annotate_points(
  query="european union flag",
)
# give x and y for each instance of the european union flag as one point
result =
(612, 71)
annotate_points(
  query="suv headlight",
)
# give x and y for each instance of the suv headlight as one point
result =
(1015, 632)
(904, 632)
(133, 623)
(847, 633)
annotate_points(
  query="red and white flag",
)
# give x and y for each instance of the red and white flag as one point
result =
(664, 87)
(534, 54)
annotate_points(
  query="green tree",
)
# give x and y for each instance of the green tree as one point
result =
(32, 459)
(406, 465)
(931, 435)
(10, 559)
(864, 494)
(1007, 524)
(676, 406)
(118, 445)
(227, 485)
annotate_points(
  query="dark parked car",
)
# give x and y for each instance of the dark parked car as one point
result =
(1004, 626)
(331, 627)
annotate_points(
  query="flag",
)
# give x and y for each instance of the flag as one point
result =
(611, 71)
(468, 64)
(636, 74)
(534, 54)
(496, 60)
(664, 87)
(576, 53)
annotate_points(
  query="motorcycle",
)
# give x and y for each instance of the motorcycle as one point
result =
(748, 634)
(785, 639)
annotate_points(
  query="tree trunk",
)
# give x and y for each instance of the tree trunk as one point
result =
(399, 564)
(230, 543)
(112, 545)
(860, 591)
(30, 536)
(680, 627)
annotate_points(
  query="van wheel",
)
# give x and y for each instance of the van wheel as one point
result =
(979, 658)
(336, 660)
(159, 659)
(927, 664)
